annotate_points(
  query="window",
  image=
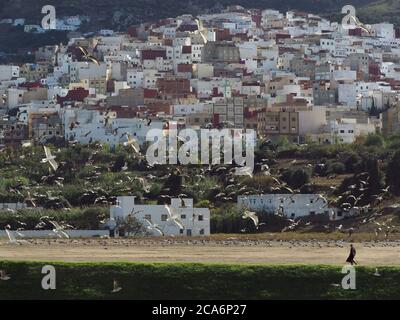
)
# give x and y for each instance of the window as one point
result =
(147, 216)
(164, 217)
(181, 231)
(201, 217)
(183, 216)
(202, 231)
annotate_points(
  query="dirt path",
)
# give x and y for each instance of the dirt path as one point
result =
(279, 252)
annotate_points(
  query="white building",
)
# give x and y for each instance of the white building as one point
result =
(288, 205)
(73, 20)
(138, 78)
(8, 72)
(384, 30)
(196, 221)
(347, 130)
(33, 28)
(19, 22)
(344, 130)
(106, 32)
(93, 128)
(186, 109)
(83, 70)
(12, 206)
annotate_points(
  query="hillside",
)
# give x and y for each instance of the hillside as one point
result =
(120, 14)
(106, 13)
(381, 11)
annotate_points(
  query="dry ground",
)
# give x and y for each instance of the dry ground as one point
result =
(230, 250)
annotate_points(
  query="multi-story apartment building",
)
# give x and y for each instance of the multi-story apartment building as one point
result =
(229, 110)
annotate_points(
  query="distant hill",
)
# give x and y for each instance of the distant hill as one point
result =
(112, 13)
(119, 14)
(381, 11)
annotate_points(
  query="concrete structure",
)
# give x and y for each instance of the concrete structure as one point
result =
(391, 120)
(8, 72)
(287, 205)
(229, 109)
(13, 206)
(220, 52)
(50, 234)
(343, 131)
(196, 221)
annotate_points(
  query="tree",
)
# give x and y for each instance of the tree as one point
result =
(132, 226)
(374, 140)
(299, 178)
(337, 168)
(373, 111)
(393, 172)
(375, 177)
(119, 163)
(296, 178)
(174, 183)
(353, 162)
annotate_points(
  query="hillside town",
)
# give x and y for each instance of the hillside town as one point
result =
(293, 77)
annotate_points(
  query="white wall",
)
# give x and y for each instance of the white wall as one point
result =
(347, 94)
(8, 72)
(13, 206)
(290, 205)
(311, 120)
(126, 205)
(50, 234)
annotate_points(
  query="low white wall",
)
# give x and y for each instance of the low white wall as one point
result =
(49, 233)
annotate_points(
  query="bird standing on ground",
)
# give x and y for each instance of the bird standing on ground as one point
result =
(116, 287)
(377, 274)
(4, 276)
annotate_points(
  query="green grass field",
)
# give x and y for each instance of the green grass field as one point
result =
(195, 281)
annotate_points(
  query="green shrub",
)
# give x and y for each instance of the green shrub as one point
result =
(195, 281)
(85, 218)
